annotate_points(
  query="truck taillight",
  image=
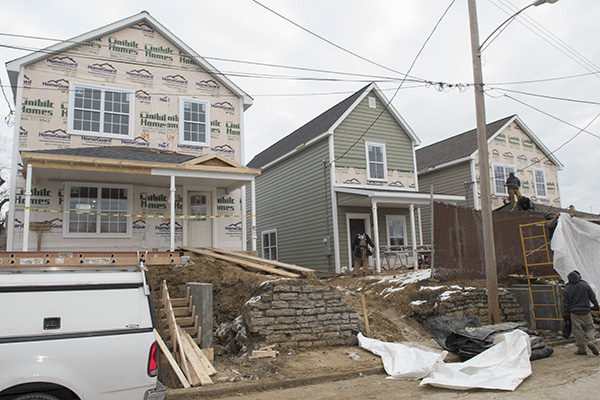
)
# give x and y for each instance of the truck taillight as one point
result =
(153, 361)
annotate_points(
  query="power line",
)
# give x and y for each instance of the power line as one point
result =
(396, 92)
(10, 117)
(565, 143)
(545, 79)
(550, 38)
(546, 96)
(552, 116)
(334, 44)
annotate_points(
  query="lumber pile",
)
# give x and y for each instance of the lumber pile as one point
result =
(252, 263)
(187, 360)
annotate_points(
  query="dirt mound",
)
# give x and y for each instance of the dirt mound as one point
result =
(232, 286)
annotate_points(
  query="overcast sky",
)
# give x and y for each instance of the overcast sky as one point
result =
(544, 44)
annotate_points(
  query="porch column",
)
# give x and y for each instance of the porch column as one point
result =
(413, 235)
(27, 216)
(172, 219)
(420, 226)
(253, 233)
(376, 236)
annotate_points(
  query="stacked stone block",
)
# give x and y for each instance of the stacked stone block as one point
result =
(296, 313)
(473, 303)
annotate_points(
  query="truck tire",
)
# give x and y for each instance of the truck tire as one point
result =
(35, 396)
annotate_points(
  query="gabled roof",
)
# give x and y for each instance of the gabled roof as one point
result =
(14, 66)
(455, 147)
(464, 145)
(322, 124)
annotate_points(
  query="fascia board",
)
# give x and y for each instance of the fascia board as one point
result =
(296, 150)
(448, 164)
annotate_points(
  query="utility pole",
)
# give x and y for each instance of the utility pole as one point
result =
(489, 250)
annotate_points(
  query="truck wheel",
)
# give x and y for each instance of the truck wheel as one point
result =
(35, 396)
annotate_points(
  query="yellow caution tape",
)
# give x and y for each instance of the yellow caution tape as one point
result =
(137, 215)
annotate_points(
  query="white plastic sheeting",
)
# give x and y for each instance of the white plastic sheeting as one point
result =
(401, 361)
(576, 246)
(503, 366)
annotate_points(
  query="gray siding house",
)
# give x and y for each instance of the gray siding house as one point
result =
(452, 166)
(351, 167)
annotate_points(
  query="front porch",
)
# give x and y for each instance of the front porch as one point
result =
(383, 214)
(122, 198)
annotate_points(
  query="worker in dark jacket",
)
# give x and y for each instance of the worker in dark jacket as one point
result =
(513, 184)
(360, 248)
(577, 296)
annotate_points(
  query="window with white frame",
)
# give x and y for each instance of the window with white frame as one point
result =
(396, 230)
(101, 111)
(98, 210)
(193, 127)
(500, 174)
(269, 245)
(376, 163)
(539, 180)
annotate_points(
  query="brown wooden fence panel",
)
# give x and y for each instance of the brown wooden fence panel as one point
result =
(458, 242)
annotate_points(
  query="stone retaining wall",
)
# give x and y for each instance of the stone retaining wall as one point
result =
(298, 314)
(470, 302)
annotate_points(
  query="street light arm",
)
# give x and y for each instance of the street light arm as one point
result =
(502, 26)
(511, 19)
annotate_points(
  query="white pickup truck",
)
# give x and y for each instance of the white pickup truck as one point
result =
(76, 333)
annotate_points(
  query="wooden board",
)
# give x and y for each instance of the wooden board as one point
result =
(171, 360)
(291, 267)
(195, 363)
(87, 258)
(243, 263)
(203, 359)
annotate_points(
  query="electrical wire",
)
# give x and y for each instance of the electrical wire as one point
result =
(565, 143)
(334, 44)
(545, 79)
(552, 116)
(386, 108)
(545, 96)
(10, 117)
(549, 37)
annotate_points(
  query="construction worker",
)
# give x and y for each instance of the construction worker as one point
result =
(513, 184)
(577, 296)
(360, 249)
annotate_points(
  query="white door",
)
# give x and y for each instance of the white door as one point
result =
(198, 225)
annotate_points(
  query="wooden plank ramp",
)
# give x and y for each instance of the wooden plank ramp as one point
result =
(307, 272)
(244, 263)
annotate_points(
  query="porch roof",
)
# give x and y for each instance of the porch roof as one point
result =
(391, 198)
(152, 167)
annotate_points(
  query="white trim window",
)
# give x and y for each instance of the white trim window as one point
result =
(98, 210)
(269, 245)
(499, 174)
(194, 126)
(539, 182)
(396, 230)
(101, 111)
(376, 162)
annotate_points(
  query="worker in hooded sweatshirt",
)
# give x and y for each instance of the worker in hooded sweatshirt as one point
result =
(577, 296)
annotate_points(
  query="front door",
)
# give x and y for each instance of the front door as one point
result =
(199, 225)
(356, 222)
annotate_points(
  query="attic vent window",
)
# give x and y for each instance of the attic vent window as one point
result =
(372, 103)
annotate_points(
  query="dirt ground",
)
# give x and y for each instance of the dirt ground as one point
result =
(388, 299)
(561, 376)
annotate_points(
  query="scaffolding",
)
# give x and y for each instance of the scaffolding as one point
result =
(539, 265)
